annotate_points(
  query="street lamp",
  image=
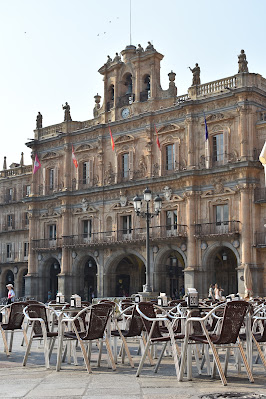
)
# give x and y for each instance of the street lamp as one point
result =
(147, 194)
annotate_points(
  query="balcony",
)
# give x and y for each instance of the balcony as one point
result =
(113, 238)
(260, 239)
(217, 229)
(13, 257)
(259, 195)
(46, 244)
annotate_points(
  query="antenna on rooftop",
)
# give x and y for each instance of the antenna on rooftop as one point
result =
(130, 21)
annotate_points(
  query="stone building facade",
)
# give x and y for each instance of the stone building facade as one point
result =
(84, 236)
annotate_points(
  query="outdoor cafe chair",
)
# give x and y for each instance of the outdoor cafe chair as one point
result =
(37, 315)
(258, 334)
(97, 317)
(14, 323)
(133, 329)
(228, 337)
(151, 321)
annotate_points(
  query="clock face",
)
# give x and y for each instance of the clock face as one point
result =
(125, 113)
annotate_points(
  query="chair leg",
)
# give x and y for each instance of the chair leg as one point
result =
(100, 353)
(5, 341)
(249, 373)
(27, 350)
(160, 357)
(11, 341)
(260, 353)
(107, 343)
(148, 353)
(86, 360)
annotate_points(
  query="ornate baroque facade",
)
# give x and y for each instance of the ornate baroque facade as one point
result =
(76, 230)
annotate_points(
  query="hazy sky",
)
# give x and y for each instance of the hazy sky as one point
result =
(51, 51)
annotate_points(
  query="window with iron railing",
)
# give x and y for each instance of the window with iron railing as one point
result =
(52, 232)
(169, 157)
(218, 149)
(87, 228)
(26, 249)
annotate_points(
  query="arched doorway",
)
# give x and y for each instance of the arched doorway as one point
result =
(90, 280)
(175, 267)
(9, 277)
(53, 281)
(223, 270)
(130, 276)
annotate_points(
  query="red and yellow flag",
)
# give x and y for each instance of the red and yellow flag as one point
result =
(157, 139)
(112, 140)
(74, 159)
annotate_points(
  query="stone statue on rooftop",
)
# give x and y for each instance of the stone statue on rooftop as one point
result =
(67, 116)
(149, 47)
(39, 121)
(109, 59)
(117, 58)
(242, 62)
(196, 75)
(139, 49)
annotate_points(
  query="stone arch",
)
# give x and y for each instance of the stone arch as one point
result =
(85, 271)
(168, 277)
(132, 276)
(220, 262)
(49, 269)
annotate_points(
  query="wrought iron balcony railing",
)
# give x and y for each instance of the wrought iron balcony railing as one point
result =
(113, 237)
(260, 195)
(46, 243)
(13, 257)
(230, 227)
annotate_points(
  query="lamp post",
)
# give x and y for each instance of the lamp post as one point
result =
(147, 194)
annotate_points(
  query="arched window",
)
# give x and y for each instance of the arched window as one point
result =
(110, 97)
(146, 92)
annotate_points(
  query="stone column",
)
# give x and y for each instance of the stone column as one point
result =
(242, 132)
(191, 241)
(64, 276)
(67, 166)
(246, 227)
(31, 281)
(190, 142)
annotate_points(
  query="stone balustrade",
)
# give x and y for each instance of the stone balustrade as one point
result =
(217, 86)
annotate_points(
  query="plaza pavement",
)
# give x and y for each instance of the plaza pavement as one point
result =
(73, 382)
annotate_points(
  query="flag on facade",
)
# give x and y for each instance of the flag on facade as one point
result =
(262, 159)
(112, 140)
(207, 145)
(157, 139)
(36, 165)
(74, 159)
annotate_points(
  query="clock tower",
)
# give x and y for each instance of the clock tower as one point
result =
(132, 84)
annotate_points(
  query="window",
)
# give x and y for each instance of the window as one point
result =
(218, 148)
(87, 228)
(125, 165)
(28, 190)
(26, 219)
(9, 251)
(86, 173)
(51, 178)
(52, 232)
(10, 220)
(26, 249)
(170, 157)
(171, 220)
(126, 225)
(221, 218)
